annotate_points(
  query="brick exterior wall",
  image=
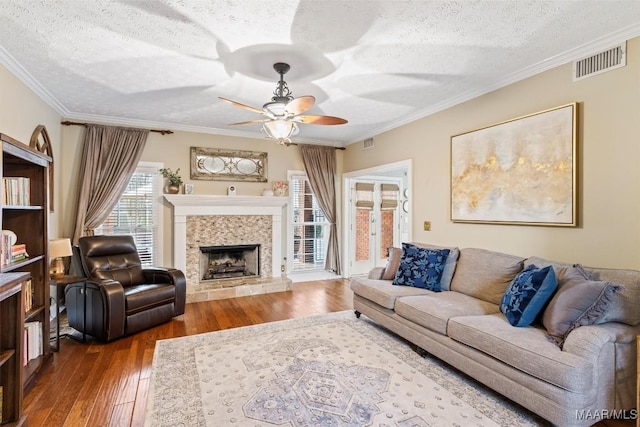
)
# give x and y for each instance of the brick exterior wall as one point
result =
(363, 234)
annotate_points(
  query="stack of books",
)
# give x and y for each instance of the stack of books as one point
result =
(19, 252)
(11, 254)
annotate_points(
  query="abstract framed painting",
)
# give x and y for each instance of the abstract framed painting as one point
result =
(520, 171)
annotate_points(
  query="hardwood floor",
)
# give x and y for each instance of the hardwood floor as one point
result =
(96, 384)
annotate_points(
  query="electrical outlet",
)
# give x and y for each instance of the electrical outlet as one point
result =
(427, 226)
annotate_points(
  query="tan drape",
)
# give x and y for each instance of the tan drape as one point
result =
(320, 166)
(109, 159)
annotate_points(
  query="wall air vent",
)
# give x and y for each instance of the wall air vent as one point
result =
(368, 143)
(607, 60)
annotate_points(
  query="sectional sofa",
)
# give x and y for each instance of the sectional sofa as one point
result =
(575, 364)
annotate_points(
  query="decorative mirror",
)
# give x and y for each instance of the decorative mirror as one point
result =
(228, 165)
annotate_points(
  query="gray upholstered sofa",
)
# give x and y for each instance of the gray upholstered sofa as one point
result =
(593, 374)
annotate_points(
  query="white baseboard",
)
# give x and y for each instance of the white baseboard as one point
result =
(308, 276)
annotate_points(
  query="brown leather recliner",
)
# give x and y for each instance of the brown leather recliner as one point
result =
(122, 297)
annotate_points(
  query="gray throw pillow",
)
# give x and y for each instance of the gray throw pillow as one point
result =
(577, 302)
(389, 273)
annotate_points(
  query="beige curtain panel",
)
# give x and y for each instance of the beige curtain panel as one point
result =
(389, 195)
(110, 156)
(320, 165)
(364, 195)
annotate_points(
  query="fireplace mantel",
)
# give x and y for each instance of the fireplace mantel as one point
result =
(185, 205)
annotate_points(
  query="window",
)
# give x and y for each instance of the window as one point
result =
(310, 227)
(139, 213)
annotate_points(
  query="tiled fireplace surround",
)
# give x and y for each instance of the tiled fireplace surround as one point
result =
(204, 220)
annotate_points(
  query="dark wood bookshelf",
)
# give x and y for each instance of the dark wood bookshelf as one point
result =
(30, 224)
(11, 346)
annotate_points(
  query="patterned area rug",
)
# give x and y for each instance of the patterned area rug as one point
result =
(330, 370)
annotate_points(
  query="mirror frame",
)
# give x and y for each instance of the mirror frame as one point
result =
(230, 158)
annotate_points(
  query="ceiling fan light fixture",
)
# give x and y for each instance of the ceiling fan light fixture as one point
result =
(276, 108)
(281, 130)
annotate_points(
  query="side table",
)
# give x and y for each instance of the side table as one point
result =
(62, 282)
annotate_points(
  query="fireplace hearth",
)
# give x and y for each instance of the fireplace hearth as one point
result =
(229, 261)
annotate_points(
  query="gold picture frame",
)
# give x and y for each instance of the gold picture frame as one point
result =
(520, 171)
(228, 165)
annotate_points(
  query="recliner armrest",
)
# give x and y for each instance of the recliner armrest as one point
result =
(112, 295)
(173, 276)
(162, 275)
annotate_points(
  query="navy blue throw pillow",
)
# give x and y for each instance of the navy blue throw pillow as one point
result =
(421, 267)
(527, 294)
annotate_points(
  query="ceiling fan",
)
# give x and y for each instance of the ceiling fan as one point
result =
(284, 112)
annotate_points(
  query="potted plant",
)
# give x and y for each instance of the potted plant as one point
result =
(174, 180)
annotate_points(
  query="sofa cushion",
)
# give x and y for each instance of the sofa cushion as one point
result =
(421, 267)
(526, 349)
(485, 274)
(577, 302)
(383, 292)
(527, 294)
(433, 311)
(450, 265)
(625, 305)
(395, 255)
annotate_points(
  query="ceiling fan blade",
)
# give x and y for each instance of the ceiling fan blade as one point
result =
(300, 105)
(319, 120)
(241, 105)
(249, 122)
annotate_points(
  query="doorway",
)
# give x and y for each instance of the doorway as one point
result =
(376, 209)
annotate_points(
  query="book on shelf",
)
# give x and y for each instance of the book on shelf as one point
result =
(33, 340)
(1, 399)
(28, 296)
(16, 191)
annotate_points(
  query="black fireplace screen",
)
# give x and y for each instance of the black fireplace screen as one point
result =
(222, 262)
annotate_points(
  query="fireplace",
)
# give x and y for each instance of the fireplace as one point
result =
(201, 220)
(229, 261)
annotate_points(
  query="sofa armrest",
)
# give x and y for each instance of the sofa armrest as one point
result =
(173, 276)
(376, 273)
(587, 341)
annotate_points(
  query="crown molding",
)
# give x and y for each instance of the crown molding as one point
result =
(571, 55)
(14, 67)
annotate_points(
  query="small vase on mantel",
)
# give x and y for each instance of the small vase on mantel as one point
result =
(172, 189)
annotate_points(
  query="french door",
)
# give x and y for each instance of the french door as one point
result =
(375, 223)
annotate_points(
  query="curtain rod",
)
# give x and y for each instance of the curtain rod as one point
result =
(337, 148)
(161, 131)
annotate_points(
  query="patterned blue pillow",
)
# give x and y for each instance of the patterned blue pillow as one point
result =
(527, 294)
(420, 267)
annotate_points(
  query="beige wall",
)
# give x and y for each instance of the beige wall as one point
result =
(21, 111)
(609, 176)
(609, 231)
(173, 151)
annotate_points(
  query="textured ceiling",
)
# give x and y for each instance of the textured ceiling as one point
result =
(378, 64)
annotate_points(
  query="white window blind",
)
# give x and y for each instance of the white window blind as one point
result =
(310, 227)
(138, 213)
